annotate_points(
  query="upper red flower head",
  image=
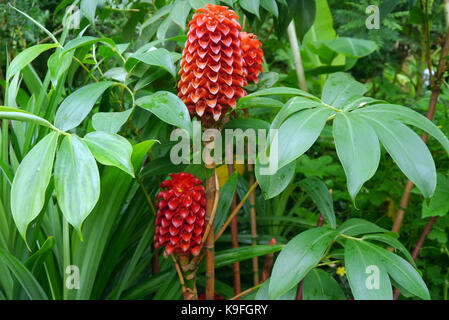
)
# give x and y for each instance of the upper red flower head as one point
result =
(252, 55)
(180, 223)
(212, 70)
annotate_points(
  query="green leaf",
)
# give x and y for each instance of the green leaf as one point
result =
(408, 151)
(292, 106)
(357, 148)
(341, 88)
(88, 8)
(271, 6)
(354, 227)
(26, 57)
(385, 238)
(224, 202)
(77, 181)
(21, 115)
(250, 6)
(28, 282)
(117, 74)
(274, 184)
(402, 272)
(85, 41)
(363, 268)
(77, 106)
(111, 149)
(110, 121)
(31, 181)
(139, 152)
(298, 133)
(278, 91)
(157, 57)
(303, 13)
(180, 12)
(319, 285)
(438, 204)
(229, 256)
(36, 261)
(407, 116)
(298, 257)
(351, 47)
(167, 107)
(262, 293)
(321, 196)
(196, 4)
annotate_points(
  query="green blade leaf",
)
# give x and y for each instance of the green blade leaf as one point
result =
(298, 133)
(157, 57)
(351, 47)
(278, 91)
(227, 257)
(292, 106)
(385, 238)
(26, 57)
(409, 152)
(340, 88)
(320, 285)
(438, 204)
(77, 106)
(274, 184)
(110, 121)
(111, 149)
(298, 257)
(77, 181)
(88, 8)
(357, 148)
(31, 181)
(271, 6)
(354, 227)
(180, 11)
(167, 107)
(402, 272)
(367, 275)
(28, 282)
(250, 6)
(407, 116)
(321, 196)
(21, 115)
(224, 203)
(262, 293)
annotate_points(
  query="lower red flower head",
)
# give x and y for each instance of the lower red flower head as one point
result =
(180, 222)
(252, 55)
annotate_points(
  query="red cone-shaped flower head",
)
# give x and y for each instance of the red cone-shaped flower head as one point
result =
(180, 223)
(212, 71)
(252, 55)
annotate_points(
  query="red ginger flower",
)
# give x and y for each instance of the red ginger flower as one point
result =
(212, 70)
(180, 223)
(252, 55)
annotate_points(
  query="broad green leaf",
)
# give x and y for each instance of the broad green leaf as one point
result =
(117, 74)
(88, 8)
(28, 282)
(303, 13)
(196, 4)
(262, 293)
(110, 121)
(298, 257)
(357, 148)
(247, 123)
(77, 106)
(407, 116)
(351, 47)
(408, 151)
(85, 41)
(278, 91)
(77, 181)
(273, 184)
(321, 196)
(31, 181)
(21, 115)
(167, 107)
(36, 261)
(402, 272)
(157, 57)
(367, 275)
(260, 102)
(26, 57)
(250, 6)
(292, 106)
(385, 238)
(157, 15)
(111, 149)
(224, 202)
(139, 151)
(320, 285)
(354, 227)
(340, 88)
(298, 133)
(271, 6)
(180, 11)
(229, 256)
(438, 204)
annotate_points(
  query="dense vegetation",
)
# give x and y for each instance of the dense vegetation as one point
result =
(87, 107)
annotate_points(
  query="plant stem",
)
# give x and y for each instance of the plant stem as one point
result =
(252, 202)
(210, 250)
(237, 297)
(297, 56)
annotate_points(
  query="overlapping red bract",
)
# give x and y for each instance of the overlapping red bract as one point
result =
(180, 222)
(252, 55)
(212, 67)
